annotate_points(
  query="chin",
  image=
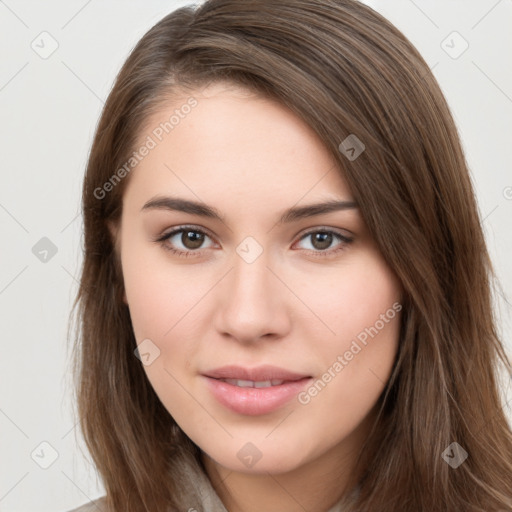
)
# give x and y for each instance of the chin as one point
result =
(246, 457)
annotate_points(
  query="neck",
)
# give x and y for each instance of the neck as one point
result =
(316, 485)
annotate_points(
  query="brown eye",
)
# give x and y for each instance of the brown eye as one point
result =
(321, 240)
(185, 240)
(192, 239)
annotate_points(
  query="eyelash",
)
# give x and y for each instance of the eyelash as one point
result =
(316, 253)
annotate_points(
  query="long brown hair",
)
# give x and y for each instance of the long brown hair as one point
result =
(346, 71)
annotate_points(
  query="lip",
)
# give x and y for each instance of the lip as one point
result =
(259, 373)
(254, 401)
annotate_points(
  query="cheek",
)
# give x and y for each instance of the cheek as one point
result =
(165, 303)
(363, 309)
(355, 300)
(157, 306)
(161, 303)
(160, 295)
(365, 366)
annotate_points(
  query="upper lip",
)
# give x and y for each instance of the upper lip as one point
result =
(257, 374)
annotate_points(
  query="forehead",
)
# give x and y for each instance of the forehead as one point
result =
(224, 141)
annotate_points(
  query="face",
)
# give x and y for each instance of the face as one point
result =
(268, 336)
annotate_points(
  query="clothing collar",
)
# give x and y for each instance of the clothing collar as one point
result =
(198, 492)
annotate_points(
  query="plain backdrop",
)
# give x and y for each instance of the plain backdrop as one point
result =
(59, 60)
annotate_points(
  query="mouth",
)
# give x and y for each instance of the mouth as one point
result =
(254, 391)
(254, 384)
(259, 374)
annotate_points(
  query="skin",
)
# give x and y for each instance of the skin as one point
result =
(252, 158)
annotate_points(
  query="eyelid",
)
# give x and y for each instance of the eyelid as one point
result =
(345, 239)
(320, 229)
(332, 252)
(205, 231)
(184, 227)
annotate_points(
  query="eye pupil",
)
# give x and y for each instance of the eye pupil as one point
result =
(192, 239)
(325, 240)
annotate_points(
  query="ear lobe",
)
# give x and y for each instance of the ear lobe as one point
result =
(113, 228)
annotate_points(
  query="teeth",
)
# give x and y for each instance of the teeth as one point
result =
(253, 384)
(263, 384)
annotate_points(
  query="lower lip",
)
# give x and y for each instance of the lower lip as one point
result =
(255, 401)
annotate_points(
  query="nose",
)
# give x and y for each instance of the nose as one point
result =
(252, 302)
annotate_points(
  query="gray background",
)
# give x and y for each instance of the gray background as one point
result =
(49, 108)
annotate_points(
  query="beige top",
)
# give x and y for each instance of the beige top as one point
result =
(198, 493)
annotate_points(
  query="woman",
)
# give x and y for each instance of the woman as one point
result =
(285, 301)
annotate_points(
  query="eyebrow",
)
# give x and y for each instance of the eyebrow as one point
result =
(204, 210)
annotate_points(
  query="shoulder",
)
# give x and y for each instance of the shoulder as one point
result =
(98, 505)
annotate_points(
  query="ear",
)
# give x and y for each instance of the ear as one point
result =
(115, 234)
(113, 227)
